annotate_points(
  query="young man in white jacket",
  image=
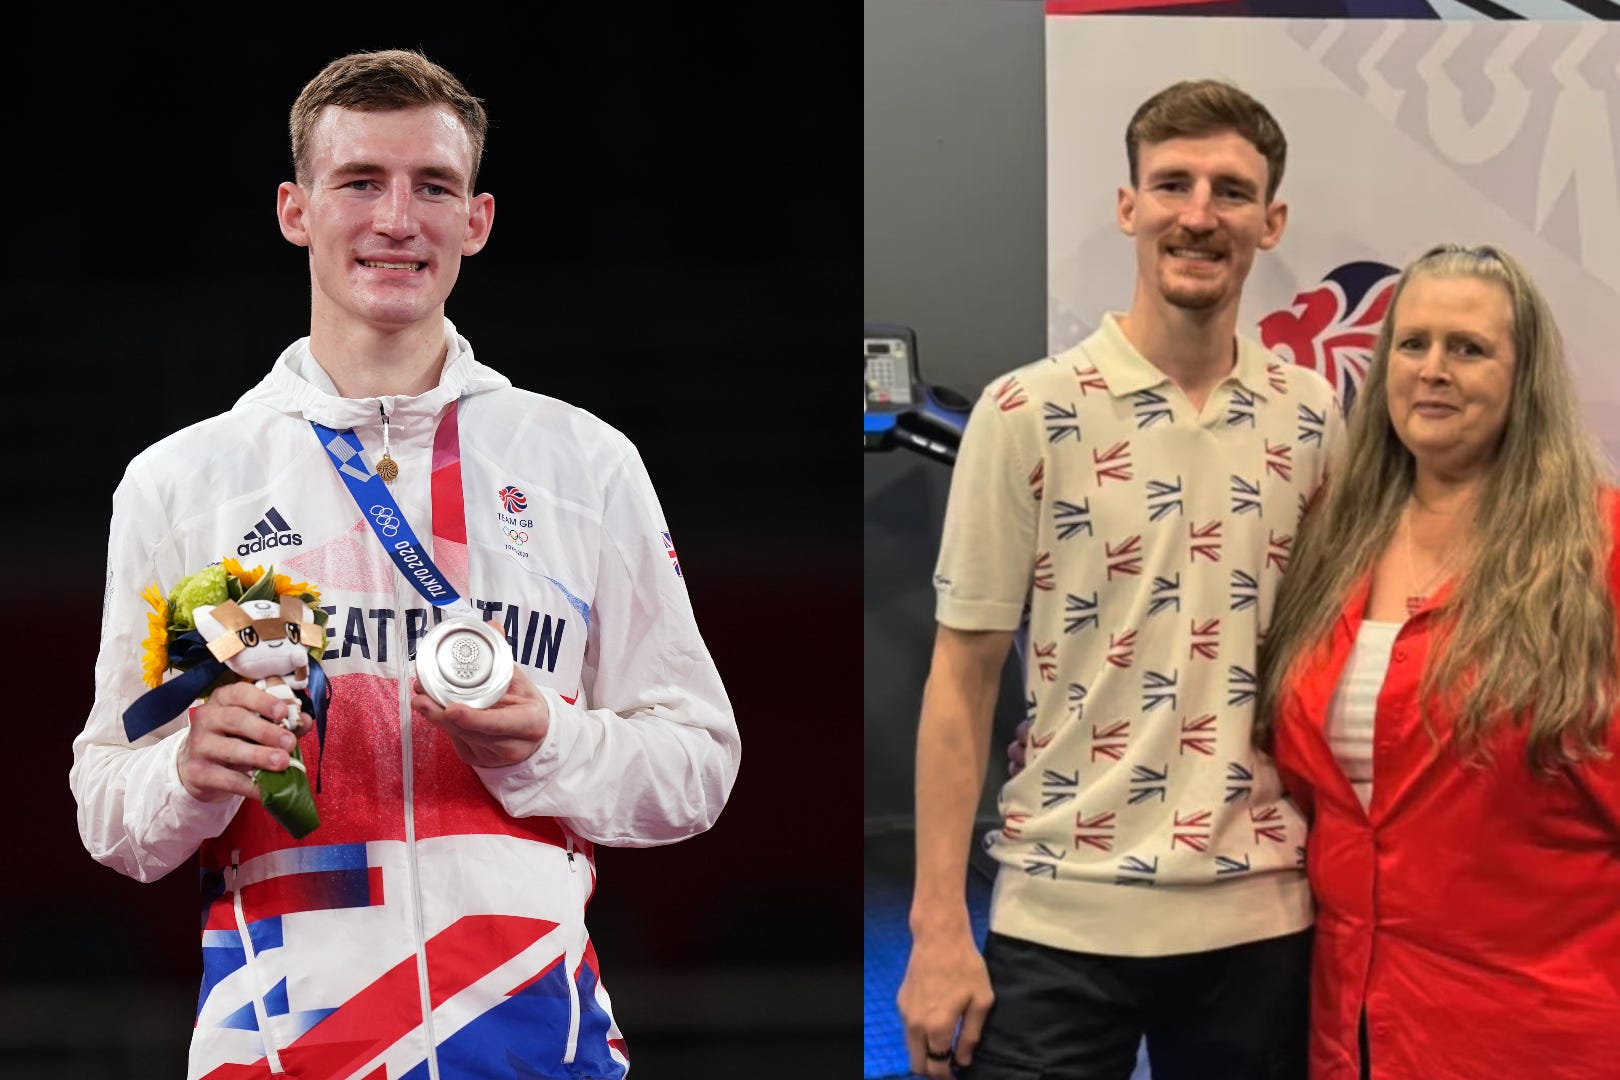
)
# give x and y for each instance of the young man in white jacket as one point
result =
(433, 924)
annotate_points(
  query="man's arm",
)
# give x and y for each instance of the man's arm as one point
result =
(946, 982)
(649, 752)
(135, 813)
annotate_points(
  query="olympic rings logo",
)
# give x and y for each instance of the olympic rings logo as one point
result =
(387, 523)
(517, 536)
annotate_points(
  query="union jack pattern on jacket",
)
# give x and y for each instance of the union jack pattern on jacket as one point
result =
(433, 925)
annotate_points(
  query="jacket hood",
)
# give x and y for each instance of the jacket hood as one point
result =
(297, 385)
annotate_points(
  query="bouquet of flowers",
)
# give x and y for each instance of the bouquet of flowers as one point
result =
(224, 624)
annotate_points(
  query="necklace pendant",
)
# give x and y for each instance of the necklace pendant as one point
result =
(386, 468)
(1413, 604)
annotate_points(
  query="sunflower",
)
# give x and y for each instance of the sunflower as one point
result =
(155, 655)
(246, 577)
(285, 586)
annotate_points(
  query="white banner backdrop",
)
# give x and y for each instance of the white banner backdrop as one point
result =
(1401, 134)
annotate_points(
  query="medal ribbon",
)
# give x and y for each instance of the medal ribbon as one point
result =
(379, 507)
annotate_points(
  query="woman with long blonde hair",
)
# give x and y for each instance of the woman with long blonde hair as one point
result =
(1438, 686)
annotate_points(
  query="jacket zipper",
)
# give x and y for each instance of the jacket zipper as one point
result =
(412, 868)
(573, 954)
(408, 787)
(272, 1056)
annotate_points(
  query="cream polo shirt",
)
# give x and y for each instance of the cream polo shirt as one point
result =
(1136, 547)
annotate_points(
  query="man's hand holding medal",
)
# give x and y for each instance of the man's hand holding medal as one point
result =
(467, 686)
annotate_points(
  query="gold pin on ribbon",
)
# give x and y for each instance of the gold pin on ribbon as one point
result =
(385, 464)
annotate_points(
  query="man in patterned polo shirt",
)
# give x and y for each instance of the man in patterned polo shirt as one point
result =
(1123, 511)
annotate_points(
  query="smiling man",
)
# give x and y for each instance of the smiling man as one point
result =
(433, 925)
(1123, 513)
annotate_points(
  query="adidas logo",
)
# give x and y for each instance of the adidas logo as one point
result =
(271, 531)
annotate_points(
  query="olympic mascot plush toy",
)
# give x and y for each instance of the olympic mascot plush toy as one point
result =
(260, 641)
(224, 624)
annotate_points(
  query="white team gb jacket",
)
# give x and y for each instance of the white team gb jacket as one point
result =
(433, 925)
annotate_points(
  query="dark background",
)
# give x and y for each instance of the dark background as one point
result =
(675, 231)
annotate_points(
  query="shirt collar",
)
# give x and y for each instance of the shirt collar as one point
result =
(1126, 371)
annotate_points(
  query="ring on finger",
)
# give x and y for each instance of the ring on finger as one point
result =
(943, 1055)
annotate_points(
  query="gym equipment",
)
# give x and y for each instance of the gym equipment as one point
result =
(901, 408)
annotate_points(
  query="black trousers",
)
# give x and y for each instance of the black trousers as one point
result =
(1239, 1013)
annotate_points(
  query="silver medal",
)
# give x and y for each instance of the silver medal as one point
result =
(464, 660)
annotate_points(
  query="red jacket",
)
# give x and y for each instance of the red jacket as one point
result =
(1473, 911)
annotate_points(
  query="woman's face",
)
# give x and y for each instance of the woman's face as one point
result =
(1451, 362)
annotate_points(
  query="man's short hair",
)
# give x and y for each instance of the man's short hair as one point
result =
(1194, 108)
(383, 80)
